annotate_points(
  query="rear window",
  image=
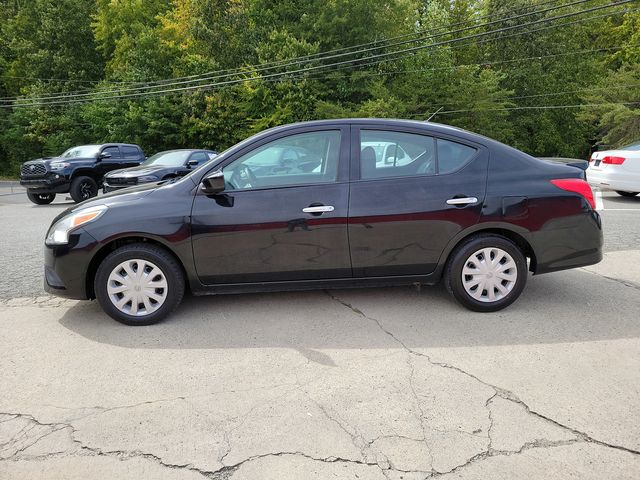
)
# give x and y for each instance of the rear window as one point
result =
(453, 156)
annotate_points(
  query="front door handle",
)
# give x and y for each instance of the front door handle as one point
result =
(318, 209)
(462, 201)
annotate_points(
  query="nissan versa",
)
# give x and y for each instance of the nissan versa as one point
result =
(364, 203)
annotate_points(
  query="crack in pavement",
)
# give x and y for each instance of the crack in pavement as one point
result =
(501, 392)
(626, 283)
(222, 473)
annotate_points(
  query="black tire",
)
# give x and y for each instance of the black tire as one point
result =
(627, 194)
(463, 253)
(83, 188)
(169, 267)
(41, 198)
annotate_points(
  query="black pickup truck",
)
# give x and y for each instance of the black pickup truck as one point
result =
(78, 171)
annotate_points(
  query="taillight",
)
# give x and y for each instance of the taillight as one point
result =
(613, 160)
(578, 186)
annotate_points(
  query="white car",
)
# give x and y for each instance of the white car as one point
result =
(617, 170)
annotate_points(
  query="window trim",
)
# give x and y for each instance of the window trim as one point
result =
(355, 150)
(344, 157)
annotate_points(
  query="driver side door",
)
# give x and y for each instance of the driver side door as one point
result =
(274, 221)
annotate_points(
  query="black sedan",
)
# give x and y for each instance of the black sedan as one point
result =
(161, 166)
(365, 203)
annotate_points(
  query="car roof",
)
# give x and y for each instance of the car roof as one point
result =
(388, 122)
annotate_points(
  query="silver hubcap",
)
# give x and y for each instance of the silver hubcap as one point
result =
(137, 287)
(489, 274)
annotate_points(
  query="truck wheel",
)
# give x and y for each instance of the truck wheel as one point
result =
(41, 198)
(486, 273)
(83, 188)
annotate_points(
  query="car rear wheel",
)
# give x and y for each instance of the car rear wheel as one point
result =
(41, 198)
(627, 194)
(139, 284)
(486, 273)
(83, 188)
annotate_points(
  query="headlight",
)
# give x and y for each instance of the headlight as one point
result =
(59, 232)
(148, 178)
(58, 165)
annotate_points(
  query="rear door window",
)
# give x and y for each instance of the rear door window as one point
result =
(395, 154)
(130, 151)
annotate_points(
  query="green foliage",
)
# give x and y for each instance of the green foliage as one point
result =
(493, 85)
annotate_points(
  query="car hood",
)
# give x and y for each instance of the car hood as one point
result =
(130, 195)
(141, 170)
(48, 160)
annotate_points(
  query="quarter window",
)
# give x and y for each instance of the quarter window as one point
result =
(301, 159)
(452, 155)
(395, 154)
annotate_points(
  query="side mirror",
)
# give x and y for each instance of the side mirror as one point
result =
(213, 183)
(192, 163)
(104, 155)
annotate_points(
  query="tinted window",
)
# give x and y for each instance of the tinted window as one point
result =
(295, 160)
(114, 151)
(130, 151)
(395, 154)
(453, 156)
(199, 157)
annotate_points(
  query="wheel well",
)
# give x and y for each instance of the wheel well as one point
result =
(516, 238)
(114, 245)
(85, 173)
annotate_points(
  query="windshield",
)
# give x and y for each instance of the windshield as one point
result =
(633, 146)
(172, 158)
(83, 151)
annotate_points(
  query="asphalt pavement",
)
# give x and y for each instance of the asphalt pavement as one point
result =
(390, 383)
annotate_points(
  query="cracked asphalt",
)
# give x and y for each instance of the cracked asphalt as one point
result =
(388, 384)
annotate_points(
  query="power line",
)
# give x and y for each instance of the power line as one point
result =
(314, 68)
(255, 69)
(533, 107)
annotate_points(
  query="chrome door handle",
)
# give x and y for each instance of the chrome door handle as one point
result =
(318, 209)
(462, 201)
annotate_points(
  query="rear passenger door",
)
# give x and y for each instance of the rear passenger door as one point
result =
(131, 156)
(411, 192)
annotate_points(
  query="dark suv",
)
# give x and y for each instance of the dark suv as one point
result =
(78, 171)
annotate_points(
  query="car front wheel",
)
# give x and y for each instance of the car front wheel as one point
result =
(139, 284)
(41, 198)
(486, 273)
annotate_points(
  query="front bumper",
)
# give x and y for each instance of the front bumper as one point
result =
(51, 183)
(66, 266)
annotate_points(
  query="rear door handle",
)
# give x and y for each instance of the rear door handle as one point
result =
(462, 201)
(318, 209)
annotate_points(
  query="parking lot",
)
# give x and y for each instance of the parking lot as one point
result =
(394, 383)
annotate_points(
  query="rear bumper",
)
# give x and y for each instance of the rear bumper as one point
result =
(568, 242)
(614, 181)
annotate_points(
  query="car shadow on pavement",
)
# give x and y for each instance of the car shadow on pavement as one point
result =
(573, 306)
